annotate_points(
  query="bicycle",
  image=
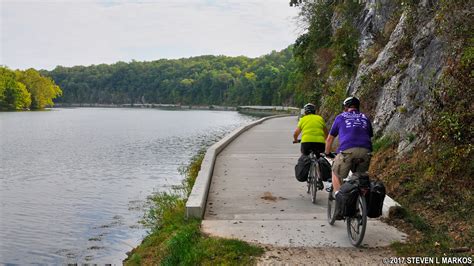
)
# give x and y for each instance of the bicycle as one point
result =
(356, 224)
(314, 180)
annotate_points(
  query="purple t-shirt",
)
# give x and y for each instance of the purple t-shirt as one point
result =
(354, 130)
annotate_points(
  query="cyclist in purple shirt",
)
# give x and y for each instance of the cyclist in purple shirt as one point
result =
(355, 132)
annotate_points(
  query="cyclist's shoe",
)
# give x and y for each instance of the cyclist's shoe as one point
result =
(320, 185)
(330, 189)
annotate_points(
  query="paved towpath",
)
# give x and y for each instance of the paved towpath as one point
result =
(255, 197)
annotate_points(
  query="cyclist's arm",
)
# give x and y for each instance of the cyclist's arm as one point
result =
(326, 132)
(329, 141)
(296, 134)
(333, 133)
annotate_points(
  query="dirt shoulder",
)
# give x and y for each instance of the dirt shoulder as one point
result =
(323, 256)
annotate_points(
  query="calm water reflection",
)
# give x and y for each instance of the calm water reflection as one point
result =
(73, 181)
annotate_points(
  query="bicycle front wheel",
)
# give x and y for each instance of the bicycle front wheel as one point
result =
(331, 207)
(357, 224)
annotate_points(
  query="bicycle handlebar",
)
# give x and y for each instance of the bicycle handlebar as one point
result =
(331, 155)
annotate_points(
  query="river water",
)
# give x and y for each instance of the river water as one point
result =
(73, 182)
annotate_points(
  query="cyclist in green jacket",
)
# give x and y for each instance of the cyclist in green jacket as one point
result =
(314, 131)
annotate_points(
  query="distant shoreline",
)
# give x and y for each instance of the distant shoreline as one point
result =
(251, 110)
(148, 105)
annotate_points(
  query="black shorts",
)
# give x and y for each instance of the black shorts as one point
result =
(316, 147)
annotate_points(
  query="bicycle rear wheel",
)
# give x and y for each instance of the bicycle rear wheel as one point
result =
(313, 184)
(357, 224)
(331, 207)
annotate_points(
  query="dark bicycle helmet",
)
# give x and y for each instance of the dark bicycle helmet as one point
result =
(351, 101)
(309, 108)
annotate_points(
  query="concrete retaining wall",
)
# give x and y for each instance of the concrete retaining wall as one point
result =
(387, 204)
(268, 110)
(196, 204)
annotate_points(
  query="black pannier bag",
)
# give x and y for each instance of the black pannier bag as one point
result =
(302, 168)
(346, 199)
(325, 169)
(364, 181)
(376, 198)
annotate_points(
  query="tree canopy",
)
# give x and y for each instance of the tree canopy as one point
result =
(203, 80)
(26, 90)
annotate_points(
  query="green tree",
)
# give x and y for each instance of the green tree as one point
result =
(43, 90)
(326, 56)
(13, 94)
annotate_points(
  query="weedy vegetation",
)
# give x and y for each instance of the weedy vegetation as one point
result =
(175, 240)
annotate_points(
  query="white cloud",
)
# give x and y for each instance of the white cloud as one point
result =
(43, 34)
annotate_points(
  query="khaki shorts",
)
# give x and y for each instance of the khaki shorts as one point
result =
(344, 160)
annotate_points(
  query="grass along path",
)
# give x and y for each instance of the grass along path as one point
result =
(174, 240)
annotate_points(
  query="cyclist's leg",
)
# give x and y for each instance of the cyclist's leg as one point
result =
(318, 148)
(315, 147)
(340, 169)
(336, 182)
(305, 148)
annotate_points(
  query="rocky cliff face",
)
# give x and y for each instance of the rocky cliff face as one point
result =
(415, 79)
(402, 58)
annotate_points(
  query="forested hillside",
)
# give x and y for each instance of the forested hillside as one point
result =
(410, 62)
(268, 80)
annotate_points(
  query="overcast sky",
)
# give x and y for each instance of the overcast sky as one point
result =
(46, 33)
